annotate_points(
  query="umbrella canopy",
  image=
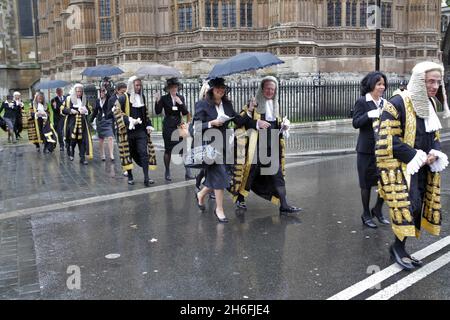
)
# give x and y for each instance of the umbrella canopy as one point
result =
(50, 84)
(244, 62)
(102, 71)
(158, 70)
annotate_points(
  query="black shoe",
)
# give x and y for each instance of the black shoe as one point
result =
(223, 220)
(148, 182)
(404, 262)
(38, 149)
(130, 181)
(368, 222)
(212, 196)
(84, 162)
(103, 158)
(189, 177)
(71, 158)
(415, 262)
(290, 209)
(46, 151)
(241, 205)
(380, 217)
(201, 206)
(168, 178)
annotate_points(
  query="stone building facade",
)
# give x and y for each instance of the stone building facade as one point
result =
(19, 67)
(330, 36)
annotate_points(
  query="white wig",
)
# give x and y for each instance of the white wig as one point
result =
(417, 89)
(261, 100)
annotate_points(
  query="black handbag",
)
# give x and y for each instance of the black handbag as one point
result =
(200, 156)
(3, 124)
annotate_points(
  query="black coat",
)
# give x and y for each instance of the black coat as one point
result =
(57, 116)
(361, 121)
(172, 118)
(98, 111)
(10, 113)
(424, 141)
(134, 112)
(206, 112)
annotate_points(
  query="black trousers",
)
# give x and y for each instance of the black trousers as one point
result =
(59, 128)
(81, 148)
(137, 141)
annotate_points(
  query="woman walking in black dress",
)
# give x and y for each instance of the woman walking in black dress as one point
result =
(174, 107)
(367, 112)
(211, 112)
(104, 126)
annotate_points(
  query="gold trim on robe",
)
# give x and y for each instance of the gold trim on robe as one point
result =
(395, 183)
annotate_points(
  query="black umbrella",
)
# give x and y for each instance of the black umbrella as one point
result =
(50, 84)
(244, 62)
(102, 71)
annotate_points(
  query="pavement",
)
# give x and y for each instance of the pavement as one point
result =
(74, 232)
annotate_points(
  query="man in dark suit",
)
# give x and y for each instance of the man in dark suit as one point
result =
(58, 117)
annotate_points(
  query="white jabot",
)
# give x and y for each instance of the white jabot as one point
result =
(432, 123)
(269, 111)
(138, 101)
(40, 107)
(79, 104)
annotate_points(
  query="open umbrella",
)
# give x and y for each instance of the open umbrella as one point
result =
(50, 84)
(158, 70)
(102, 71)
(244, 62)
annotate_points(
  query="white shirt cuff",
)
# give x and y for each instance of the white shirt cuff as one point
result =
(441, 163)
(416, 163)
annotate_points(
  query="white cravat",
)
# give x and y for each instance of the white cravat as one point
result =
(79, 104)
(40, 108)
(137, 101)
(269, 111)
(432, 123)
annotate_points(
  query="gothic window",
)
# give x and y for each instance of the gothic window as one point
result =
(187, 19)
(228, 13)
(246, 13)
(212, 13)
(350, 20)
(105, 20)
(444, 23)
(386, 15)
(334, 11)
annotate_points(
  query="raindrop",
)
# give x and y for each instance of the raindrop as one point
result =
(153, 240)
(353, 231)
(155, 271)
(339, 222)
(144, 273)
(245, 297)
(112, 256)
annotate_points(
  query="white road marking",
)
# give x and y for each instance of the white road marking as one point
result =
(121, 195)
(388, 272)
(411, 279)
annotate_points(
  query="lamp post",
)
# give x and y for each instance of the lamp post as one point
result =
(378, 36)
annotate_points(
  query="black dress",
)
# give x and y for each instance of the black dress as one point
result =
(173, 113)
(366, 161)
(104, 125)
(216, 175)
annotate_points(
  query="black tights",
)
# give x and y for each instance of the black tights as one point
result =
(365, 197)
(167, 156)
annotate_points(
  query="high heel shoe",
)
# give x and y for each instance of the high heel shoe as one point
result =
(404, 262)
(223, 220)
(380, 217)
(368, 222)
(201, 206)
